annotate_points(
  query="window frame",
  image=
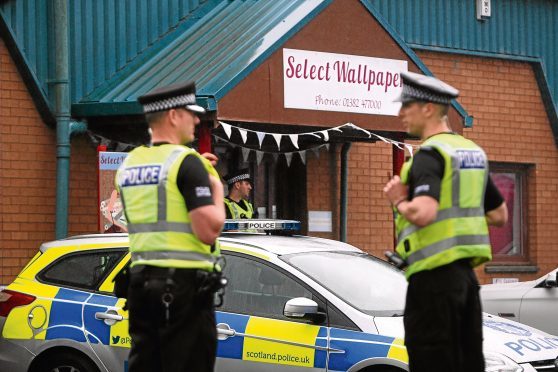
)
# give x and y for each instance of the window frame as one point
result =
(95, 289)
(522, 172)
(323, 304)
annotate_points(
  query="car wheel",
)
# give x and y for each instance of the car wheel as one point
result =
(67, 362)
(381, 369)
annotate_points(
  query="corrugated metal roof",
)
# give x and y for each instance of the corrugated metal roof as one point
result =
(218, 51)
(525, 30)
(27, 20)
(104, 35)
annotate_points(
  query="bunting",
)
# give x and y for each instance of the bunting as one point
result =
(293, 138)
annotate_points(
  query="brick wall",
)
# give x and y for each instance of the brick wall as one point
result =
(512, 126)
(28, 176)
(369, 225)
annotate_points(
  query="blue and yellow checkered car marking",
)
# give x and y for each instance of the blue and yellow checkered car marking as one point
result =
(361, 346)
(272, 341)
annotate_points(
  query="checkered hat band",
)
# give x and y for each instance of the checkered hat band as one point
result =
(169, 103)
(240, 177)
(424, 95)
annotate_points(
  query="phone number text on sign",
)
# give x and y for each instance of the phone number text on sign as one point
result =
(348, 102)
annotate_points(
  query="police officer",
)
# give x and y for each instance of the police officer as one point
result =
(443, 201)
(236, 203)
(173, 202)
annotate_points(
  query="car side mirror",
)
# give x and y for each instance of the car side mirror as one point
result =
(551, 281)
(303, 308)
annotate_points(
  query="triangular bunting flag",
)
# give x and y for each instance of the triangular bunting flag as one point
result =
(275, 156)
(316, 151)
(294, 139)
(277, 137)
(410, 149)
(245, 154)
(326, 135)
(121, 146)
(259, 156)
(289, 157)
(243, 134)
(302, 155)
(327, 146)
(226, 128)
(261, 137)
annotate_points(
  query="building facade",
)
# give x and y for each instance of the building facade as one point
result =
(237, 51)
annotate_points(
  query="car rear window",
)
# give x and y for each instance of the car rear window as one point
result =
(84, 270)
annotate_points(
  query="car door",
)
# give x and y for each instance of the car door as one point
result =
(80, 311)
(539, 307)
(253, 333)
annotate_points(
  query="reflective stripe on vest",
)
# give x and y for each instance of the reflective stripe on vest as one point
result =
(160, 226)
(172, 255)
(161, 187)
(443, 245)
(444, 214)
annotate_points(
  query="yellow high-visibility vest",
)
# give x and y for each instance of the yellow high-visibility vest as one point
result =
(159, 223)
(460, 229)
(237, 212)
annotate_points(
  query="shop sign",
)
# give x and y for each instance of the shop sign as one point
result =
(111, 216)
(341, 82)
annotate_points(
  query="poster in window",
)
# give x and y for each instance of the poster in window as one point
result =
(111, 212)
(501, 238)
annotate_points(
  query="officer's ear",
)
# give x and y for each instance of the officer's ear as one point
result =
(430, 109)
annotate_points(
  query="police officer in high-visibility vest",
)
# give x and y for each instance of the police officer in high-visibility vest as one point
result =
(443, 202)
(237, 204)
(173, 200)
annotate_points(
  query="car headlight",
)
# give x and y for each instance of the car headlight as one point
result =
(496, 362)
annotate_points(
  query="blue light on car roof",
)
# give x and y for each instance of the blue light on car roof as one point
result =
(267, 225)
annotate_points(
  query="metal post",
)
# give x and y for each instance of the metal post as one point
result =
(62, 114)
(344, 191)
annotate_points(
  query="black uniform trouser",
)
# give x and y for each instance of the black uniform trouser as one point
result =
(443, 320)
(188, 340)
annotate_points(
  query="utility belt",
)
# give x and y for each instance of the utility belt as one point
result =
(206, 282)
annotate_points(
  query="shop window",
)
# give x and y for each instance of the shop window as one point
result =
(509, 243)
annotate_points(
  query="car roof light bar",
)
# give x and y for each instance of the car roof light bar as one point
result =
(266, 225)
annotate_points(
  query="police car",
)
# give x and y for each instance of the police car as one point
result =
(293, 303)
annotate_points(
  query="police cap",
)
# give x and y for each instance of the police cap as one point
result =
(417, 87)
(238, 175)
(181, 95)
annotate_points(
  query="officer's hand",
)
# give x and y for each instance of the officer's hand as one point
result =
(213, 159)
(395, 191)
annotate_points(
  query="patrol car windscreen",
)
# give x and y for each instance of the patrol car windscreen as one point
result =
(364, 282)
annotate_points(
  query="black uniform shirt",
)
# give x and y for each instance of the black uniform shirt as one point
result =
(426, 175)
(193, 182)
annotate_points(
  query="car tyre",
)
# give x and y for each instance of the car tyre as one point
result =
(381, 369)
(67, 362)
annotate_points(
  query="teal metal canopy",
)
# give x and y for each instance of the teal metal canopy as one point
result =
(217, 47)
